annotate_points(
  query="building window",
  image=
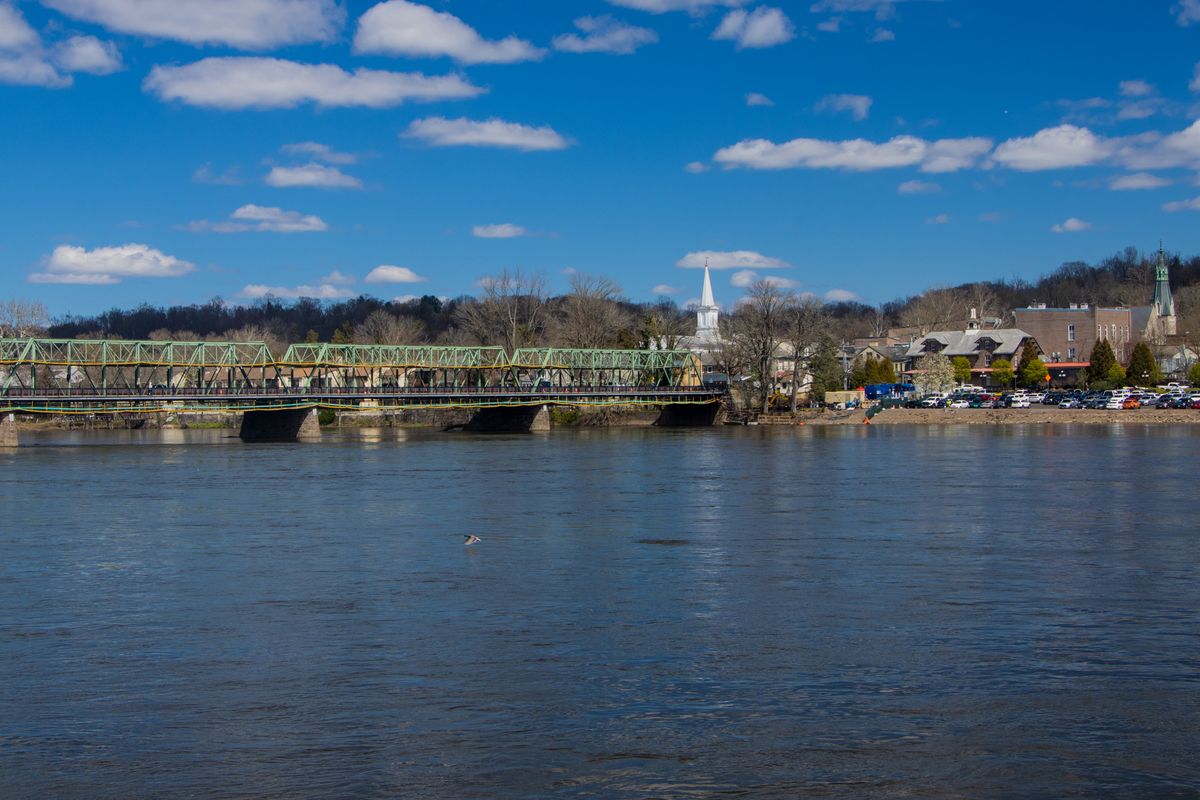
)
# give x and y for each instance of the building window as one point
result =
(1070, 354)
(1099, 331)
(987, 359)
(1070, 333)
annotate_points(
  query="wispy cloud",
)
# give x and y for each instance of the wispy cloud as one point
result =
(1138, 180)
(503, 230)
(311, 175)
(243, 24)
(663, 288)
(319, 152)
(251, 82)
(1183, 205)
(747, 277)
(694, 7)
(942, 155)
(323, 291)
(938, 219)
(918, 187)
(604, 35)
(696, 167)
(262, 219)
(758, 99)
(442, 132)
(729, 259)
(205, 174)
(857, 105)
(841, 296)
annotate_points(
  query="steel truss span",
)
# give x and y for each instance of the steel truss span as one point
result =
(103, 376)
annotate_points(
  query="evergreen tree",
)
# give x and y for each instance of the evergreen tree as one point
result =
(1002, 372)
(1143, 369)
(887, 373)
(962, 369)
(1028, 353)
(1116, 375)
(1102, 361)
(1033, 373)
(1194, 374)
(825, 368)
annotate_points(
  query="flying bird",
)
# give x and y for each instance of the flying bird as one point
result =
(470, 539)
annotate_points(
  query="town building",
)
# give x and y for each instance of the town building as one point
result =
(980, 347)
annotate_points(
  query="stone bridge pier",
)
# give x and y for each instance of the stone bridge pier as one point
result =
(285, 425)
(8, 431)
(688, 415)
(517, 419)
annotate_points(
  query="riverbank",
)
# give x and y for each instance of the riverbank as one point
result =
(1039, 415)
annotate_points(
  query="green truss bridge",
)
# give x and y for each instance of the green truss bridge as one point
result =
(277, 395)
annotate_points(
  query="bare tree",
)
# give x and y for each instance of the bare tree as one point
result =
(757, 326)
(663, 327)
(21, 318)
(805, 322)
(384, 327)
(934, 309)
(591, 315)
(511, 312)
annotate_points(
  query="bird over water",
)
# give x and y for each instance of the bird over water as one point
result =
(470, 539)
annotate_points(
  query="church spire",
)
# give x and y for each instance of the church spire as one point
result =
(1164, 305)
(706, 296)
(707, 325)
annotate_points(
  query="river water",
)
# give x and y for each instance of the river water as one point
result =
(735, 612)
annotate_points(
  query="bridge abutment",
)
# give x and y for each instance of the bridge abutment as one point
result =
(688, 415)
(8, 431)
(288, 425)
(518, 419)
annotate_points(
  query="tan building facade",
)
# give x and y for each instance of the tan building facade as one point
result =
(1069, 334)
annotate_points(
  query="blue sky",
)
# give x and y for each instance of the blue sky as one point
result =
(172, 151)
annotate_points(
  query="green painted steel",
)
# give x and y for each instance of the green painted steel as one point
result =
(566, 367)
(81, 366)
(103, 364)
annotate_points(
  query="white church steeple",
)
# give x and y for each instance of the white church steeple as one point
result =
(706, 315)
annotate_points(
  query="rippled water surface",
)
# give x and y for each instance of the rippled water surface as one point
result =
(855, 612)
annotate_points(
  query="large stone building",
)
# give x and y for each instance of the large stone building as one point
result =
(980, 347)
(1067, 335)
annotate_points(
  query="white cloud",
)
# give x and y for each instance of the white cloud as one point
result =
(315, 175)
(319, 152)
(15, 33)
(762, 27)
(748, 277)
(1186, 12)
(918, 187)
(502, 231)
(1135, 88)
(324, 291)
(252, 82)
(943, 155)
(108, 265)
(406, 298)
(442, 132)
(22, 59)
(1195, 83)
(663, 288)
(758, 99)
(1183, 205)
(87, 54)
(337, 277)
(1138, 180)
(389, 274)
(400, 28)
(205, 174)
(604, 35)
(831, 25)
(690, 6)
(262, 219)
(841, 296)
(991, 216)
(939, 219)
(1071, 225)
(696, 167)
(883, 35)
(1054, 148)
(858, 105)
(242, 24)
(729, 259)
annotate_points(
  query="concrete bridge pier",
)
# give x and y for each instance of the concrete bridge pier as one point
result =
(518, 419)
(287, 425)
(8, 431)
(688, 415)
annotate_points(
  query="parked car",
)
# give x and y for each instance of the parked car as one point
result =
(1070, 402)
(1017, 401)
(1131, 402)
(1195, 403)
(934, 400)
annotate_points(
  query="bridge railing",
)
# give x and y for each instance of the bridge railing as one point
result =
(575, 367)
(395, 366)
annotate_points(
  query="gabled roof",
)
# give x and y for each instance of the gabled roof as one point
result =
(967, 343)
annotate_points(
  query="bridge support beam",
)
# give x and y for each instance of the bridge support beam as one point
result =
(521, 419)
(688, 415)
(290, 425)
(8, 431)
